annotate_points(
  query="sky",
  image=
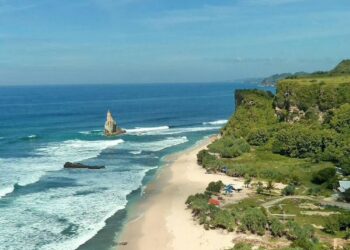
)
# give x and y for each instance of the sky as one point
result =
(160, 41)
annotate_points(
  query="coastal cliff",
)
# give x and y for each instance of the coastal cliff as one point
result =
(291, 148)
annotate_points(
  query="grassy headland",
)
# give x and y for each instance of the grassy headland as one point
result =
(298, 138)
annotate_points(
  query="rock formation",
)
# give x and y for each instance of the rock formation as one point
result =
(111, 127)
(79, 165)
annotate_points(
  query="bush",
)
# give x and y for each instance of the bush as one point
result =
(331, 225)
(341, 119)
(258, 137)
(260, 188)
(223, 219)
(242, 246)
(253, 220)
(303, 237)
(276, 227)
(288, 190)
(298, 141)
(229, 147)
(323, 175)
(208, 161)
(215, 187)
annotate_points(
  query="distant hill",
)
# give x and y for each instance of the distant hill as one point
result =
(272, 80)
(343, 68)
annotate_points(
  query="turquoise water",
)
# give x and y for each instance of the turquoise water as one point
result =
(44, 206)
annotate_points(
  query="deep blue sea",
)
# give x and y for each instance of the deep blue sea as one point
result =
(42, 205)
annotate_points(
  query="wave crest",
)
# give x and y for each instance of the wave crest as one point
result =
(218, 122)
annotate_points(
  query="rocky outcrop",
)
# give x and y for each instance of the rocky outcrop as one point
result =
(81, 166)
(111, 127)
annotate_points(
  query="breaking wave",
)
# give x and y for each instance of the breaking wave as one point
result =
(25, 171)
(146, 129)
(218, 122)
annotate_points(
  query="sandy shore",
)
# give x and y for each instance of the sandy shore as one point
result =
(164, 222)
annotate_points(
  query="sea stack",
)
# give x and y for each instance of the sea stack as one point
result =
(111, 127)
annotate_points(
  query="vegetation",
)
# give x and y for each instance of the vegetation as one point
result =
(229, 147)
(324, 175)
(215, 187)
(299, 137)
(346, 195)
(288, 190)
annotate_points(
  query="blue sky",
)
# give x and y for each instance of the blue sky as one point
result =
(137, 41)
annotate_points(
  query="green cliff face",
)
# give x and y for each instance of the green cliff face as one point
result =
(307, 118)
(254, 113)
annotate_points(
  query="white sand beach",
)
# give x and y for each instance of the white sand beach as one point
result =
(164, 221)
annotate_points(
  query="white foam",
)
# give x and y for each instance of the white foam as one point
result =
(174, 131)
(41, 217)
(137, 152)
(25, 171)
(155, 146)
(92, 132)
(6, 190)
(218, 122)
(140, 130)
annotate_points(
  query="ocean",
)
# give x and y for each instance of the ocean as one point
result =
(42, 205)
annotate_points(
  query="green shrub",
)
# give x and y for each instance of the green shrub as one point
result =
(215, 187)
(276, 227)
(258, 137)
(253, 220)
(303, 237)
(229, 147)
(331, 225)
(288, 190)
(223, 219)
(242, 246)
(208, 161)
(341, 119)
(260, 188)
(323, 175)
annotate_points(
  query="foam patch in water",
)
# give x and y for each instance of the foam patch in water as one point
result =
(218, 122)
(24, 171)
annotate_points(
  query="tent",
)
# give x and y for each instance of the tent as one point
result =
(229, 189)
(214, 202)
(343, 186)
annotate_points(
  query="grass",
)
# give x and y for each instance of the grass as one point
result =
(292, 206)
(334, 80)
(267, 165)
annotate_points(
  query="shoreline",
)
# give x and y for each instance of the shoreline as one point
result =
(161, 220)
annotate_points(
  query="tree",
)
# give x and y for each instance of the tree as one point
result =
(341, 119)
(323, 175)
(288, 190)
(247, 180)
(260, 188)
(270, 186)
(215, 187)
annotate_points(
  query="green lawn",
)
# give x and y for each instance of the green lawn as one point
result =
(264, 164)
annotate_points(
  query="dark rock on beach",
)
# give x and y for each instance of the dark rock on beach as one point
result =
(81, 166)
